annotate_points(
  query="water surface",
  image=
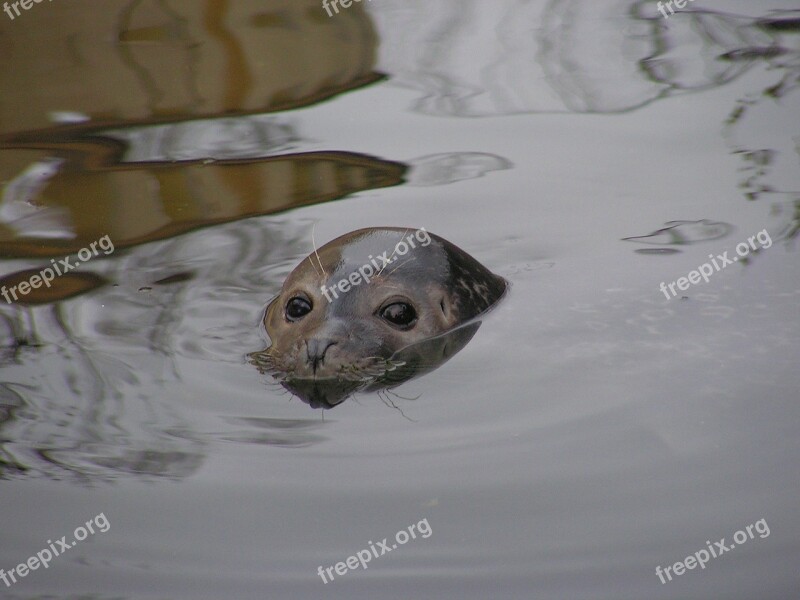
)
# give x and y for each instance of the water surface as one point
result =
(592, 430)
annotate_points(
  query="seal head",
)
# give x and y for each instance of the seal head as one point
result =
(347, 309)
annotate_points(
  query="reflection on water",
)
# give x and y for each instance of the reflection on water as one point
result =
(175, 60)
(470, 58)
(134, 161)
(255, 136)
(286, 433)
(104, 167)
(149, 181)
(684, 232)
(572, 432)
(135, 205)
(441, 169)
(64, 287)
(106, 368)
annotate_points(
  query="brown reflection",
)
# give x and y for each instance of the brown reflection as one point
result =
(84, 88)
(134, 205)
(150, 60)
(60, 288)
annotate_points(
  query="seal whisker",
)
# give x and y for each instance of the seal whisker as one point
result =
(402, 264)
(391, 391)
(383, 267)
(395, 251)
(314, 245)
(311, 262)
(391, 256)
(387, 402)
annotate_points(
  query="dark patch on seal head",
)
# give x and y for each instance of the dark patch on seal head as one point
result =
(330, 324)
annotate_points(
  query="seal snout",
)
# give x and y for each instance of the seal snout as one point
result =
(315, 351)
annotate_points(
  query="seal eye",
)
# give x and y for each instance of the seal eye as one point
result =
(297, 308)
(400, 314)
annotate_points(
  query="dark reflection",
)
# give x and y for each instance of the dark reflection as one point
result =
(75, 405)
(141, 463)
(790, 212)
(285, 433)
(680, 233)
(177, 278)
(657, 251)
(788, 23)
(748, 54)
(389, 321)
(441, 169)
(569, 55)
(10, 402)
(545, 56)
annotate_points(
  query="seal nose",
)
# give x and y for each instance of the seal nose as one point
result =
(316, 349)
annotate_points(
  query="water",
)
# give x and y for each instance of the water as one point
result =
(591, 431)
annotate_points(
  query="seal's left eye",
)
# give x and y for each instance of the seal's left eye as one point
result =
(401, 314)
(297, 308)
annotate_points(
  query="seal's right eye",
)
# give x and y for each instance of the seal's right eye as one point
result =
(400, 314)
(296, 308)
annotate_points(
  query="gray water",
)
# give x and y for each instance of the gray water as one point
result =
(591, 431)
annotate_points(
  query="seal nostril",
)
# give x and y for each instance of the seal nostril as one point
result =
(316, 349)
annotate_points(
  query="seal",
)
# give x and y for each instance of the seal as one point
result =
(370, 295)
